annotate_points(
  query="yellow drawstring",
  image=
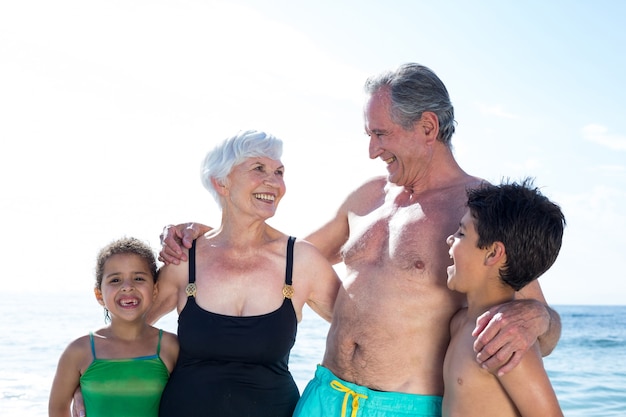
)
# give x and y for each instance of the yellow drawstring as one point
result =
(355, 397)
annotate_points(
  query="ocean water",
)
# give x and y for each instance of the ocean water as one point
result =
(587, 369)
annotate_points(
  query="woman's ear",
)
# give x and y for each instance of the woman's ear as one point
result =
(219, 185)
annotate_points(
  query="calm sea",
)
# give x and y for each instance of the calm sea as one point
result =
(587, 369)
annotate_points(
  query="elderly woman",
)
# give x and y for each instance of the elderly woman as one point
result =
(241, 293)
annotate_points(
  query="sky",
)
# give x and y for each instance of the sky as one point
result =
(107, 109)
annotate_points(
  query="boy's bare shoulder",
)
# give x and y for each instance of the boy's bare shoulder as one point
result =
(457, 320)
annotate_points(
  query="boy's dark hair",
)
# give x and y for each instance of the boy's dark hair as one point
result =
(528, 224)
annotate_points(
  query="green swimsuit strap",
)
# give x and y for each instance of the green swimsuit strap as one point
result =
(93, 346)
(159, 344)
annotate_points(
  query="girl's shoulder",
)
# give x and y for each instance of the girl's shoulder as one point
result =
(82, 342)
(169, 349)
(169, 336)
(78, 353)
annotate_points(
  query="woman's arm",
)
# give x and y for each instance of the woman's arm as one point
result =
(170, 284)
(317, 278)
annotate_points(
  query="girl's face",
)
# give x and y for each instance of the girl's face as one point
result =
(127, 288)
(256, 186)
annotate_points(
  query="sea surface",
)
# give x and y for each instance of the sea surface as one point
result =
(587, 369)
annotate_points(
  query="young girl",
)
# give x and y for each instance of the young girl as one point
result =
(122, 368)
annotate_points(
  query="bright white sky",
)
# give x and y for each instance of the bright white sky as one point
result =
(108, 107)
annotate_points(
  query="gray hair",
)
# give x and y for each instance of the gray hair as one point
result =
(219, 162)
(415, 89)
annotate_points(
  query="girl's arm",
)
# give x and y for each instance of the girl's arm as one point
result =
(67, 378)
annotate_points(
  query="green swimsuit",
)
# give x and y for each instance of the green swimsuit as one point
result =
(124, 387)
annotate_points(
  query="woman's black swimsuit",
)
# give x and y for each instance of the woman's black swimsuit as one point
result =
(233, 366)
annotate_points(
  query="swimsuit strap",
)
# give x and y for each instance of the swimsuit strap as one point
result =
(93, 347)
(288, 288)
(192, 263)
(289, 271)
(159, 344)
(287, 291)
(191, 287)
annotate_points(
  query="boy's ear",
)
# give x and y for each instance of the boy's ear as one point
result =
(98, 294)
(155, 291)
(496, 253)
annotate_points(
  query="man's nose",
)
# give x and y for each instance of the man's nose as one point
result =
(374, 147)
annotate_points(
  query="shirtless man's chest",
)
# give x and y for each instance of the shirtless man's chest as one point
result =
(390, 327)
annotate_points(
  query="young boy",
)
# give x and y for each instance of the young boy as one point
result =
(509, 236)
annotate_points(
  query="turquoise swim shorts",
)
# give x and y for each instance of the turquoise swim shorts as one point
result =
(328, 396)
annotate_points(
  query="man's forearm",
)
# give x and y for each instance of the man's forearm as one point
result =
(548, 340)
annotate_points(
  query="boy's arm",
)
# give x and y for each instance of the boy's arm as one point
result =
(529, 387)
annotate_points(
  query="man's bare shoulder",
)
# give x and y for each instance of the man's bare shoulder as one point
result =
(370, 193)
(375, 184)
(466, 182)
(454, 190)
(474, 182)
